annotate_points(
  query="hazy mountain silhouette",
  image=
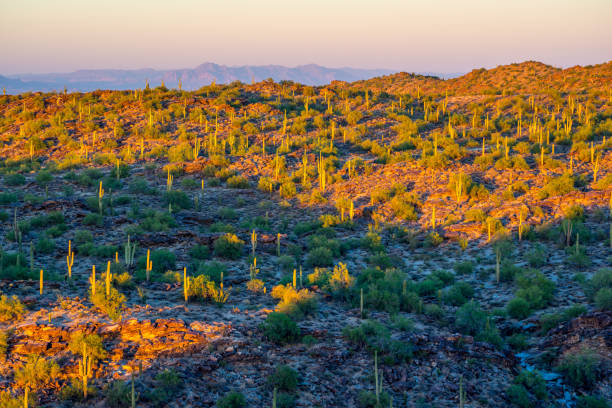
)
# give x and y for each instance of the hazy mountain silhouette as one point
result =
(192, 78)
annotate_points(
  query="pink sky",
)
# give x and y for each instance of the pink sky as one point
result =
(435, 35)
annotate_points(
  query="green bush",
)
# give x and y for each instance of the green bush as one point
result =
(285, 400)
(93, 219)
(284, 378)
(36, 373)
(45, 245)
(8, 401)
(280, 328)
(588, 401)
(228, 246)
(288, 190)
(528, 390)
(162, 260)
(535, 288)
(200, 252)
(232, 399)
(297, 303)
(367, 399)
(580, 368)
(11, 308)
(177, 199)
(112, 305)
(14, 179)
(518, 308)
(320, 257)
(557, 186)
(464, 268)
(603, 299)
(600, 280)
(458, 294)
(118, 394)
(237, 182)
(166, 385)
(470, 318)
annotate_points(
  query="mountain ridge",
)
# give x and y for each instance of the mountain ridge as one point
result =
(191, 78)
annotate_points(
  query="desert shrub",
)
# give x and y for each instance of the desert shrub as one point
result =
(228, 246)
(14, 179)
(286, 262)
(15, 266)
(374, 336)
(403, 206)
(464, 268)
(45, 245)
(367, 399)
(320, 256)
(162, 260)
(140, 186)
(288, 190)
(285, 400)
(475, 215)
(201, 287)
(123, 279)
(177, 199)
(279, 328)
(528, 389)
(118, 394)
(92, 343)
(36, 373)
(93, 219)
(43, 178)
(353, 117)
(536, 257)
(535, 288)
(458, 294)
(7, 198)
(433, 239)
(3, 345)
(588, 401)
(581, 368)
(599, 288)
(518, 342)
(11, 308)
(237, 182)
(267, 185)
(296, 303)
(155, 221)
(111, 304)
(200, 252)
(166, 385)
(552, 320)
(518, 308)
(8, 401)
(603, 299)
(284, 378)
(470, 318)
(232, 399)
(213, 270)
(557, 186)
(372, 242)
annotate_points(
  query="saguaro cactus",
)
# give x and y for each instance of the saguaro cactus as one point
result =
(70, 259)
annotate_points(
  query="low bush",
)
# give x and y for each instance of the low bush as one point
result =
(582, 368)
(232, 399)
(280, 328)
(11, 308)
(228, 246)
(284, 378)
(294, 302)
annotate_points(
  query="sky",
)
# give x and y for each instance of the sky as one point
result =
(443, 36)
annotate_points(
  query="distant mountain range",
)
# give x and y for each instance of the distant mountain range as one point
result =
(92, 79)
